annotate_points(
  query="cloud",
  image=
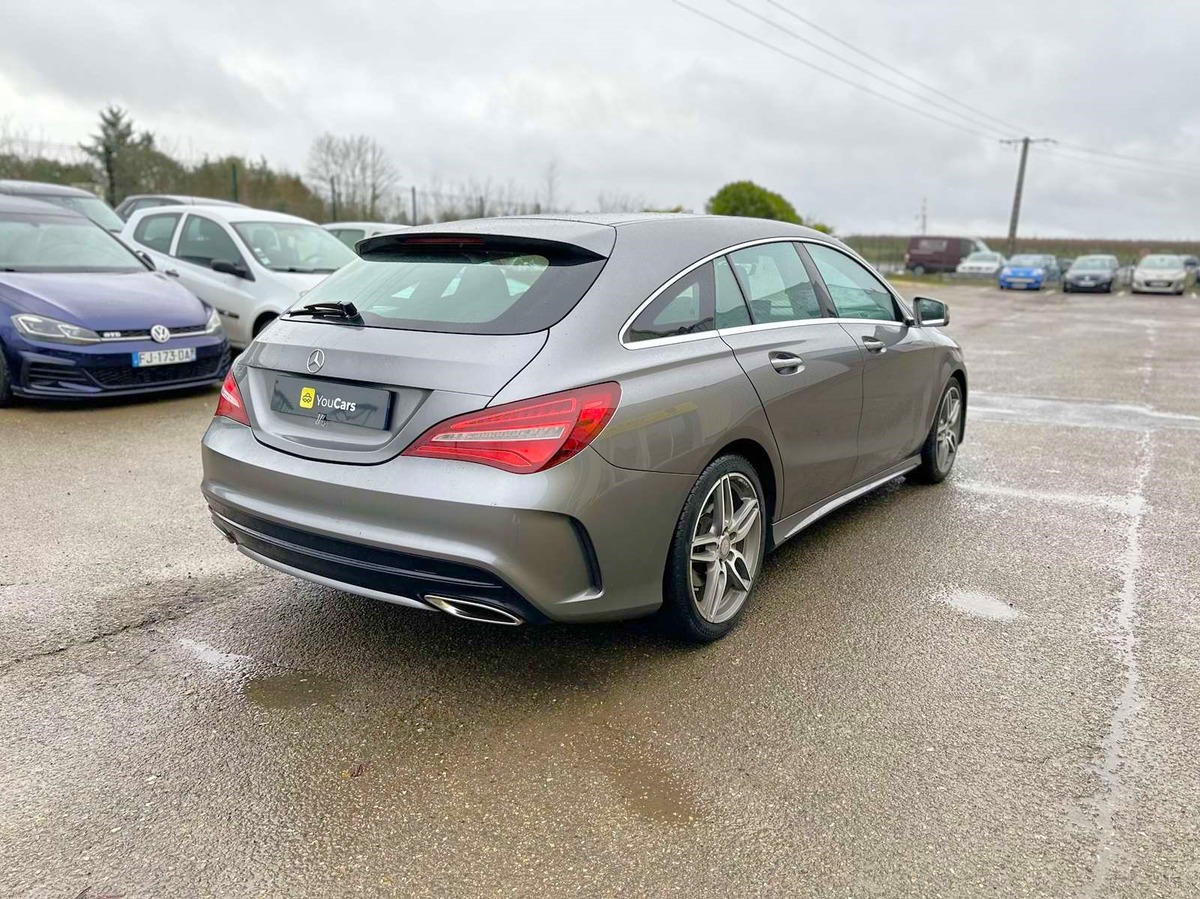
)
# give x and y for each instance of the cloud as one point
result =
(646, 99)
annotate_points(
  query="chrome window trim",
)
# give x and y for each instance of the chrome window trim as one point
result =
(742, 329)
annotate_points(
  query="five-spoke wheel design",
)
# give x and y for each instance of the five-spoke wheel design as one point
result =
(949, 427)
(726, 547)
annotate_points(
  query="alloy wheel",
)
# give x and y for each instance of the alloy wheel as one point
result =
(726, 547)
(949, 427)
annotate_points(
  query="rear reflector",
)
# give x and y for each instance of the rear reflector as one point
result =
(230, 404)
(525, 436)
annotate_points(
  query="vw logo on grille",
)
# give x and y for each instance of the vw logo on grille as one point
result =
(160, 333)
(315, 360)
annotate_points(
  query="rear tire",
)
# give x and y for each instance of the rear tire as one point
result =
(263, 320)
(6, 394)
(918, 270)
(716, 553)
(941, 445)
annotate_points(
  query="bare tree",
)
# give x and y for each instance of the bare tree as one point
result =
(355, 175)
(619, 202)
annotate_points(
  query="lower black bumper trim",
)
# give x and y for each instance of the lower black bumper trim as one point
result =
(385, 571)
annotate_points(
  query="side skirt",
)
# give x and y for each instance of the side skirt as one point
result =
(792, 525)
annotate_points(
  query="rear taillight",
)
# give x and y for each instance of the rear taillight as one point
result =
(230, 404)
(526, 436)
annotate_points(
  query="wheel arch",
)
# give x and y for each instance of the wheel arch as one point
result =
(760, 460)
(263, 319)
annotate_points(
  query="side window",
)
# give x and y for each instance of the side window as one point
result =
(686, 307)
(731, 305)
(855, 292)
(348, 236)
(155, 231)
(776, 284)
(203, 240)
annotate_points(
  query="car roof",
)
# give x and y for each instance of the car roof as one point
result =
(697, 235)
(229, 214)
(184, 199)
(234, 214)
(27, 205)
(27, 188)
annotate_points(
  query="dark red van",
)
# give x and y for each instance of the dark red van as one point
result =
(939, 254)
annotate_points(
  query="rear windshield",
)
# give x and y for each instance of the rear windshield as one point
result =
(475, 287)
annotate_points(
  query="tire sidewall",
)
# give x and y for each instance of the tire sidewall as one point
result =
(6, 394)
(928, 471)
(679, 608)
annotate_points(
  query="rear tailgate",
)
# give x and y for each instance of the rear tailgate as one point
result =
(399, 382)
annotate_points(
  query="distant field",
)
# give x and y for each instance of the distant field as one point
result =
(889, 248)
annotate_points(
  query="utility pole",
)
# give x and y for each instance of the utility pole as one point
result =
(413, 220)
(233, 188)
(1016, 207)
(924, 215)
(333, 197)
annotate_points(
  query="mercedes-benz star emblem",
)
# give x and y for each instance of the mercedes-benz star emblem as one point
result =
(160, 333)
(315, 360)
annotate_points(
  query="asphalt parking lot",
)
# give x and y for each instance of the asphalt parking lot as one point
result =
(988, 687)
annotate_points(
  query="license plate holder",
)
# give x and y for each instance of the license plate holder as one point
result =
(325, 401)
(173, 356)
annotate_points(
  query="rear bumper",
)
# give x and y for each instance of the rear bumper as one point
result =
(584, 541)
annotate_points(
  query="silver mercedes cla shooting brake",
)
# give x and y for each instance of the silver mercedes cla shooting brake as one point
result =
(577, 419)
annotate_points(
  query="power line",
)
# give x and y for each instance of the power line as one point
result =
(862, 87)
(863, 69)
(1183, 166)
(891, 68)
(1166, 166)
(1068, 151)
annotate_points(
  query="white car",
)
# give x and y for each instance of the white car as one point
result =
(981, 264)
(1160, 273)
(351, 233)
(248, 264)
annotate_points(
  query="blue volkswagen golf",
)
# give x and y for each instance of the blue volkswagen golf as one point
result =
(82, 315)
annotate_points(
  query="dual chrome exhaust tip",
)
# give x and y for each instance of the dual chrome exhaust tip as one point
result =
(468, 610)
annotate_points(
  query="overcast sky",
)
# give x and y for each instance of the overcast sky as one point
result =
(643, 98)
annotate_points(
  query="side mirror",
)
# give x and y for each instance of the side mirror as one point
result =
(931, 313)
(229, 268)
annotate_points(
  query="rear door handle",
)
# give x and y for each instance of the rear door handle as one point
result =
(874, 345)
(171, 272)
(786, 363)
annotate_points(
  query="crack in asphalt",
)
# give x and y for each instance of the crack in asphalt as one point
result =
(6, 667)
(180, 604)
(1115, 790)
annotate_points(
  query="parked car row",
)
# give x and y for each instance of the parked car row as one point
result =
(83, 315)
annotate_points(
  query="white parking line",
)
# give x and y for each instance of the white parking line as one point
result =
(1120, 293)
(1051, 293)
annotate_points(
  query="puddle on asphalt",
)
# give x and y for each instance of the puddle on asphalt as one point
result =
(292, 690)
(643, 782)
(981, 605)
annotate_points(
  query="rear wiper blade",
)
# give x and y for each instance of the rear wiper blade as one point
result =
(345, 311)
